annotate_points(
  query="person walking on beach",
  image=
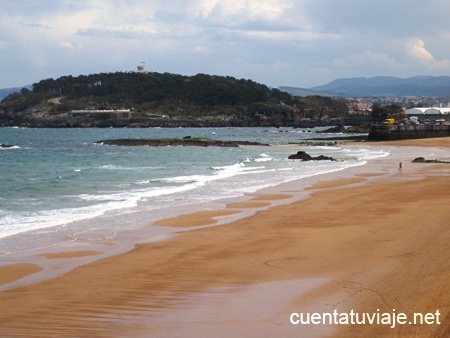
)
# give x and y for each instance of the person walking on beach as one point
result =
(400, 166)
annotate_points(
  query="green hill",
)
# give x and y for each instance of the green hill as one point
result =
(137, 88)
(160, 99)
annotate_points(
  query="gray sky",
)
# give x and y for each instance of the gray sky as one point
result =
(299, 43)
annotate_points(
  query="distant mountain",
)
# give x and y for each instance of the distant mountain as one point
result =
(388, 86)
(6, 91)
(295, 91)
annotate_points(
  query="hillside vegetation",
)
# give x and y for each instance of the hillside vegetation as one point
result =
(157, 99)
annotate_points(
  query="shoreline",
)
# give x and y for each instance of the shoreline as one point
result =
(115, 239)
(107, 242)
(260, 246)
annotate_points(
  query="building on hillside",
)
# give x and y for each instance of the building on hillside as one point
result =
(141, 68)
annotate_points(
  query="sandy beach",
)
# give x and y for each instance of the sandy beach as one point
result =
(369, 243)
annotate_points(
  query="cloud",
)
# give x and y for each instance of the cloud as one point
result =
(66, 45)
(287, 36)
(366, 58)
(314, 41)
(417, 50)
(201, 50)
(253, 19)
(35, 25)
(238, 10)
(112, 33)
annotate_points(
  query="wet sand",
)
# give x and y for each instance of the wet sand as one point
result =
(12, 272)
(71, 254)
(367, 245)
(198, 218)
(244, 205)
(336, 183)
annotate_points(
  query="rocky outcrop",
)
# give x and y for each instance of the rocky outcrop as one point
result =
(423, 160)
(36, 118)
(302, 155)
(337, 129)
(186, 141)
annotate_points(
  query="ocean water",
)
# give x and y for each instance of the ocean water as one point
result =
(57, 179)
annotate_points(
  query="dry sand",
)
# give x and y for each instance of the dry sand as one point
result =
(371, 246)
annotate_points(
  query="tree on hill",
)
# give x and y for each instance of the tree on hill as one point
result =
(200, 89)
(316, 107)
(380, 113)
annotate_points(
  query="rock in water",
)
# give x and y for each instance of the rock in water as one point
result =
(6, 145)
(302, 155)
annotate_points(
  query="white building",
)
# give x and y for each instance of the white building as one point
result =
(435, 111)
(141, 68)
